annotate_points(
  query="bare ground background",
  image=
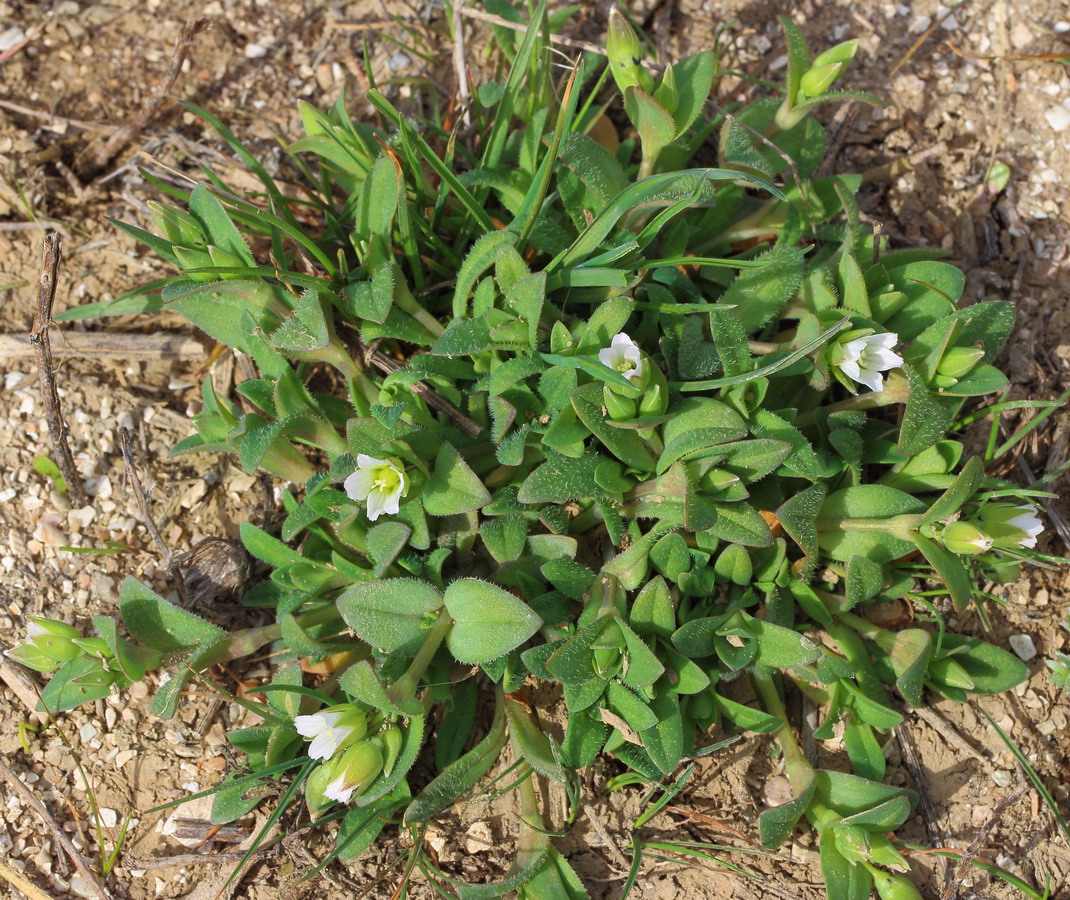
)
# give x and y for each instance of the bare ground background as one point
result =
(80, 69)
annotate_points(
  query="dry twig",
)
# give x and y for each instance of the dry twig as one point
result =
(142, 499)
(23, 687)
(128, 133)
(30, 798)
(110, 345)
(21, 884)
(42, 319)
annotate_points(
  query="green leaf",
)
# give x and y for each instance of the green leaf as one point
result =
(655, 126)
(217, 223)
(488, 621)
(776, 825)
(561, 479)
(950, 569)
(694, 81)
(962, 489)
(479, 259)
(461, 776)
(393, 614)
(758, 294)
(453, 487)
(153, 621)
(626, 445)
(992, 669)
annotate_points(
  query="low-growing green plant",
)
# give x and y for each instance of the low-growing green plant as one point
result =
(612, 419)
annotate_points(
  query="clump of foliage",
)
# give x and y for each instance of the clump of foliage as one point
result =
(607, 419)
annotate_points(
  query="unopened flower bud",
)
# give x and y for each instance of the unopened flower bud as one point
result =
(390, 741)
(177, 225)
(842, 53)
(894, 887)
(225, 260)
(965, 539)
(959, 361)
(618, 408)
(852, 841)
(48, 645)
(355, 769)
(625, 55)
(189, 258)
(819, 79)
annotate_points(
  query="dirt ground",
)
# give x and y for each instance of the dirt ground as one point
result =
(71, 72)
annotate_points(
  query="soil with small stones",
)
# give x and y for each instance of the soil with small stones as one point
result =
(71, 72)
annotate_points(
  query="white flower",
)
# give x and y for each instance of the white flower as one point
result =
(623, 356)
(330, 728)
(1028, 522)
(338, 790)
(864, 358)
(382, 482)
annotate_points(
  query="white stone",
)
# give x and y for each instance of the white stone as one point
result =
(1058, 118)
(255, 51)
(1023, 646)
(87, 732)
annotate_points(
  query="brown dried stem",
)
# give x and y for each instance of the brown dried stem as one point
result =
(31, 799)
(42, 319)
(126, 134)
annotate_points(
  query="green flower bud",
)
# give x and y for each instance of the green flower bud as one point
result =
(841, 53)
(819, 79)
(965, 539)
(999, 175)
(618, 408)
(97, 647)
(894, 887)
(32, 658)
(223, 259)
(882, 852)
(625, 55)
(195, 259)
(717, 480)
(959, 361)
(608, 651)
(177, 225)
(354, 771)
(391, 740)
(852, 841)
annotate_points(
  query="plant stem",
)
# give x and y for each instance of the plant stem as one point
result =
(796, 766)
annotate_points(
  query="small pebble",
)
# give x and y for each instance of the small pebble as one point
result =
(1058, 118)
(1023, 646)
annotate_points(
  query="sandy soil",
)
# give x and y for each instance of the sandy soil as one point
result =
(85, 68)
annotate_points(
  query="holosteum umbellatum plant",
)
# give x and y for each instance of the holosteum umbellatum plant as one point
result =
(612, 420)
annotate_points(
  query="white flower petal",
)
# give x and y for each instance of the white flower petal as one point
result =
(377, 504)
(850, 368)
(873, 380)
(310, 726)
(360, 484)
(369, 462)
(326, 742)
(852, 350)
(337, 790)
(883, 359)
(886, 340)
